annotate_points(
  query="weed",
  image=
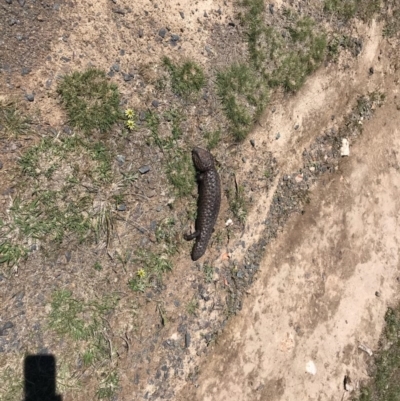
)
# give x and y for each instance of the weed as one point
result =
(166, 234)
(213, 138)
(237, 202)
(347, 9)
(97, 266)
(12, 122)
(392, 26)
(208, 272)
(11, 387)
(10, 253)
(243, 95)
(130, 121)
(180, 172)
(385, 384)
(186, 79)
(92, 103)
(152, 267)
(192, 306)
(108, 386)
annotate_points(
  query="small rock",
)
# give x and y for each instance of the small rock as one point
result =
(56, 7)
(205, 15)
(345, 149)
(187, 340)
(278, 135)
(1, 164)
(65, 59)
(182, 14)
(115, 67)
(67, 130)
(312, 169)
(122, 52)
(232, 24)
(311, 368)
(253, 143)
(141, 33)
(239, 274)
(347, 384)
(121, 207)
(120, 159)
(142, 116)
(21, 2)
(144, 169)
(271, 8)
(25, 71)
(68, 256)
(298, 178)
(127, 77)
(19, 37)
(377, 294)
(9, 1)
(228, 223)
(19, 296)
(30, 97)
(296, 127)
(48, 83)
(155, 103)
(175, 38)
(162, 32)
(371, 70)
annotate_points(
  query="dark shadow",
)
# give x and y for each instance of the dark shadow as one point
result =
(40, 378)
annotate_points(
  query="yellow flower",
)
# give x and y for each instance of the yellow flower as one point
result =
(130, 124)
(129, 113)
(141, 273)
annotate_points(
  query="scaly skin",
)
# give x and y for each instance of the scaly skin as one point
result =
(208, 203)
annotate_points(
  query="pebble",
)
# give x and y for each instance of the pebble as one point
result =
(182, 14)
(30, 97)
(122, 52)
(311, 368)
(9, 1)
(115, 67)
(21, 2)
(144, 169)
(6, 326)
(120, 159)
(278, 135)
(127, 77)
(56, 7)
(121, 207)
(271, 8)
(1, 164)
(155, 103)
(187, 340)
(25, 71)
(68, 255)
(345, 149)
(253, 143)
(141, 33)
(175, 38)
(48, 83)
(296, 127)
(162, 32)
(371, 70)
(377, 294)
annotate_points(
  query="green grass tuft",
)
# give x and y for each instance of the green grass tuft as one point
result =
(91, 101)
(186, 79)
(12, 123)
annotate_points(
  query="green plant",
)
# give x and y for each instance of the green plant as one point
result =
(213, 138)
(192, 306)
(237, 202)
(186, 79)
(384, 384)
(130, 119)
(108, 386)
(97, 266)
(166, 234)
(90, 100)
(347, 9)
(243, 95)
(180, 172)
(208, 272)
(12, 122)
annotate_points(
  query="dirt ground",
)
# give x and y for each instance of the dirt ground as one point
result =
(326, 282)
(322, 286)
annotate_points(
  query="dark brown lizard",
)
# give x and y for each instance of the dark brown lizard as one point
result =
(209, 201)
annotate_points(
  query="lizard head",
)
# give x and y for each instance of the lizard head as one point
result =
(203, 160)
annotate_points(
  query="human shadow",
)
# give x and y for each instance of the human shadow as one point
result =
(40, 378)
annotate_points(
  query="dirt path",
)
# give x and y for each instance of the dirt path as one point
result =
(326, 282)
